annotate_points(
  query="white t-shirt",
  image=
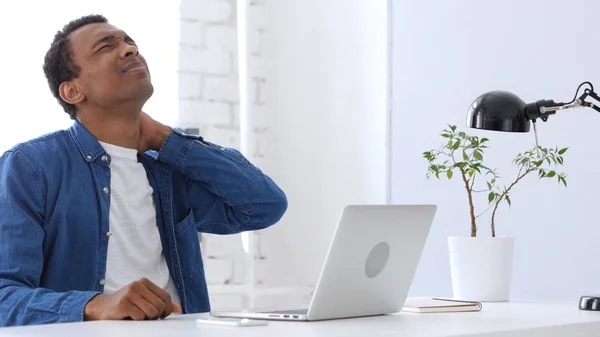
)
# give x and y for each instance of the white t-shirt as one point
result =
(134, 247)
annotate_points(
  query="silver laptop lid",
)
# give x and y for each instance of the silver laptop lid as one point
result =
(371, 261)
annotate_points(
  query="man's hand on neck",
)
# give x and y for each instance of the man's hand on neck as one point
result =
(139, 132)
(152, 134)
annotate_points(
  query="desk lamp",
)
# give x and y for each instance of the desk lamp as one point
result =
(506, 112)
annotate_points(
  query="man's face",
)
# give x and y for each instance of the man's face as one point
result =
(112, 71)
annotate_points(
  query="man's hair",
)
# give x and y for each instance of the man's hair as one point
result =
(59, 66)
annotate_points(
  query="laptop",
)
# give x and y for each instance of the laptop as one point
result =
(369, 266)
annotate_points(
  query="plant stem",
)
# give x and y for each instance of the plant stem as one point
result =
(519, 177)
(471, 207)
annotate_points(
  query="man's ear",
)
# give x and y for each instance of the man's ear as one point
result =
(71, 93)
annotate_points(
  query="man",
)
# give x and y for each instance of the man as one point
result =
(100, 221)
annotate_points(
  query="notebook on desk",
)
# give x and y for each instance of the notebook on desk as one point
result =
(440, 305)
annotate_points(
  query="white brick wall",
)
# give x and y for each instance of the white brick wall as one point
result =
(208, 79)
(221, 38)
(189, 85)
(205, 61)
(209, 100)
(209, 97)
(260, 113)
(196, 113)
(191, 33)
(206, 11)
(223, 89)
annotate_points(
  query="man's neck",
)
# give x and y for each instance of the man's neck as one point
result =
(112, 128)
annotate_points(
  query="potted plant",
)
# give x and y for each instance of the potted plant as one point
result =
(481, 267)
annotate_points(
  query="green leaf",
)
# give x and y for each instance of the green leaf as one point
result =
(563, 180)
(493, 181)
(453, 127)
(562, 151)
(449, 174)
(465, 156)
(508, 200)
(560, 160)
(456, 145)
(477, 154)
(551, 174)
(489, 185)
(483, 140)
(445, 135)
(491, 197)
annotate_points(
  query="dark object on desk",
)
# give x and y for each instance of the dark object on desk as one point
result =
(591, 303)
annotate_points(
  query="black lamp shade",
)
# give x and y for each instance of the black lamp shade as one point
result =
(498, 111)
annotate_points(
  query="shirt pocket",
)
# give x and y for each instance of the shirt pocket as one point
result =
(188, 250)
(185, 224)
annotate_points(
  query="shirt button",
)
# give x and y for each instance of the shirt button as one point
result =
(89, 157)
(104, 158)
(102, 282)
(105, 190)
(108, 234)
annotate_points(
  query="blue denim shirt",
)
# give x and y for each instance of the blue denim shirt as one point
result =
(54, 218)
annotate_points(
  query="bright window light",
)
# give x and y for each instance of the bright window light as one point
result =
(27, 107)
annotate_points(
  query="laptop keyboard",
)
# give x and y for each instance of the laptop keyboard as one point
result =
(290, 312)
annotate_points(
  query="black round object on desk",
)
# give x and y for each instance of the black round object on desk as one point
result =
(591, 303)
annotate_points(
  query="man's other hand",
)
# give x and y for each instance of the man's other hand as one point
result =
(139, 300)
(152, 133)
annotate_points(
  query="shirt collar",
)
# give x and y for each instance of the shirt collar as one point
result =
(87, 144)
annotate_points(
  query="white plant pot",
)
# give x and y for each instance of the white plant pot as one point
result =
(481, 268)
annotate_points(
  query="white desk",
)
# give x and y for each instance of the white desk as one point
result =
(496, 319)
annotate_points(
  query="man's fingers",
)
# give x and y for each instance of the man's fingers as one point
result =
(176, 307)
(134, 312)
(149, 310)
(155, 301)
(160, 293)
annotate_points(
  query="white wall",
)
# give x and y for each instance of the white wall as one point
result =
(445, 54)
(326, 74)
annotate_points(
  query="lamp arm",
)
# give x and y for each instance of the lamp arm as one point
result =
(544, 108)
(591, 94)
